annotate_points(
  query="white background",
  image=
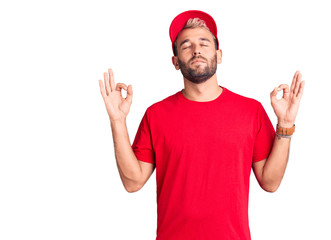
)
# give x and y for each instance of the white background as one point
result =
(58, 173)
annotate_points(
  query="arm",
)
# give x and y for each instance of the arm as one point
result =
(133, 173)
(269, 172)
(127, 163)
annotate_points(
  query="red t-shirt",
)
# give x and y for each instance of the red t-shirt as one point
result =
(203, 153)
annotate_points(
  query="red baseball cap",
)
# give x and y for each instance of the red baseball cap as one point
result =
(180, 21)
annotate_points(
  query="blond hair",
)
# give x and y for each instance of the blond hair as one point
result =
(195, 23)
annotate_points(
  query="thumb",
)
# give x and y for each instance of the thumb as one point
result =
(129, 94)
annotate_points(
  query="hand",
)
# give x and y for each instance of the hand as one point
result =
(287, 107)
(117, 106)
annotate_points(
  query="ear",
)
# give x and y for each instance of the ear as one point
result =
(175, 62)
(219, 56)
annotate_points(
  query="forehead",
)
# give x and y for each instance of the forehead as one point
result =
(193, 34)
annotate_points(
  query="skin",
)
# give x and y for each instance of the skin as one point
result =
(117, 107)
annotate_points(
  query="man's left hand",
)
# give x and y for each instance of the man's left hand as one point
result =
(286, 108)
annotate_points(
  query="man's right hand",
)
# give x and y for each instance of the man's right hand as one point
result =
(117, 106)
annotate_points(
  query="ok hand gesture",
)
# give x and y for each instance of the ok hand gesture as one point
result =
(117, 106)
(286, 108)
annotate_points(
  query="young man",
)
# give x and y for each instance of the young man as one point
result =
(203, 140)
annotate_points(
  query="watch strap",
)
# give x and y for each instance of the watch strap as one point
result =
(285, 131)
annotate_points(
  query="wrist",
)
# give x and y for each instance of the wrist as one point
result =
(117, 121)
(284, 124)
(285, 130)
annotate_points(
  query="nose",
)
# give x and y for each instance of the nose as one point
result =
(196, 50)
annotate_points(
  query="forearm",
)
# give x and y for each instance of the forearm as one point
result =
(274, 168)
(127, 163)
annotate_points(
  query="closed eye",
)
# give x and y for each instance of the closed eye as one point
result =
(204, 42)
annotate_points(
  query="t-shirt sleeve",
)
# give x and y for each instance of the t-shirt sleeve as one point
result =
(265, 136)
(142, 144)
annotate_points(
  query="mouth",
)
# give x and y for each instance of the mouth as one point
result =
(197, 61)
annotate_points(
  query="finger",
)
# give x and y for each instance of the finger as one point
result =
(293, 81)
(111, 79)
(119, 86)
(129, 94)
(273, 95)
(105, 75)
(102, 88)
(297, 84)
(286, 91)
(300, 92)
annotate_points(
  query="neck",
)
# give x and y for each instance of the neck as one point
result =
(202, 92)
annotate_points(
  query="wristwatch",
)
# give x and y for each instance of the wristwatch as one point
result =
(285, 131)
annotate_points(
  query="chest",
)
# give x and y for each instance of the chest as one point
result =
(206, 130)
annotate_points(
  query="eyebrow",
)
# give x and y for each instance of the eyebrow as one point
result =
(187, 40)
(205, 39)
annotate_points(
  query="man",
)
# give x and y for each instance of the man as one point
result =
(203, 140)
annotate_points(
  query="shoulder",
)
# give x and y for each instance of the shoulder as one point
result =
(164, 104)
(240, 100)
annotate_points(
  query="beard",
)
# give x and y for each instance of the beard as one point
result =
(200, 73)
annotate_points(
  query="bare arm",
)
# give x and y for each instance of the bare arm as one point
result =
(270, 172)
(127, 163)
(133, 172)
